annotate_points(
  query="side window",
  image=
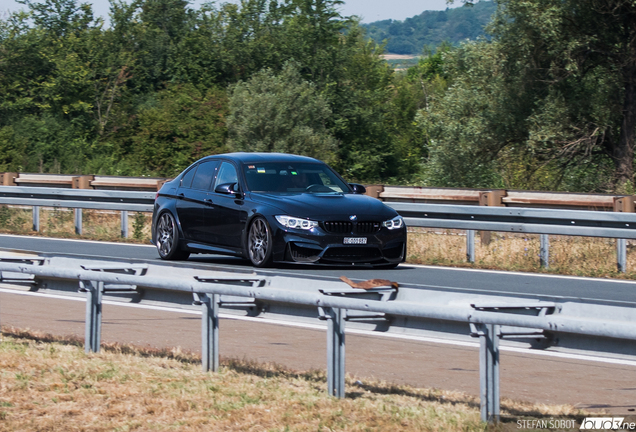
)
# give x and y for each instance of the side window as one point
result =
(204, 175)
(227, 174)
(186, 180)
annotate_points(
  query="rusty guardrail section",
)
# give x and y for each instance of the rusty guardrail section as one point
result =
(82, 181)
(504, 198)
(551, 324)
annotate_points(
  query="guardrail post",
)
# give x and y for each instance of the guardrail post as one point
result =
(470, 246)
(335, 352)
(82, 182)
(493, 198)
(93, 331)
(36, 218)
(623, 204)
(210, 332)
(8, 178)
(545, 250)
(78, 221)
(124, 224)
(621, 255)
(374, 191)
(489, 371)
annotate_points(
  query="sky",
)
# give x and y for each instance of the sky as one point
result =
(367, 10)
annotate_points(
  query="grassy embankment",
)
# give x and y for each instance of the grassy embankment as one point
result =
(50, 384)
(580, 256)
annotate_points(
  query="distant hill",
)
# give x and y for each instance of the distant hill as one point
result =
(431, 28)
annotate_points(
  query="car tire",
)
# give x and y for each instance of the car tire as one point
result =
(168, 238)
(259, 243)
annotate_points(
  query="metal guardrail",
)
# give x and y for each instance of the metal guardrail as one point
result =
(78, 199)
(485, 317)
(519, 220)
(620, 226)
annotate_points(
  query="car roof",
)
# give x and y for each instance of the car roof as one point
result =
(246, 157)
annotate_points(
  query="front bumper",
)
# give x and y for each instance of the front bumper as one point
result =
(320, 247)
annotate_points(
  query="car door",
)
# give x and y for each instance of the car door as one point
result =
(226, 219)
(192, 199)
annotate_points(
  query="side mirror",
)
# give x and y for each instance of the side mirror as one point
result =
(358, 189)
(227, 188)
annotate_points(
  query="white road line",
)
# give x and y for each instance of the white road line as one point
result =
(320, 327)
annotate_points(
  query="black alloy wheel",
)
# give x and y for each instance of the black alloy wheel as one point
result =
(259, 243)
(168, 239)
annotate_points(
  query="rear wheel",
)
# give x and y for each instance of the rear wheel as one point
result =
(259, 243)
(168, 239)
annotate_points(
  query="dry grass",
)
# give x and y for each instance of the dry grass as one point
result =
(580, 256)
(49, 384)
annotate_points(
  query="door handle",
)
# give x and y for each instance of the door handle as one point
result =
(180, 195)
(207, 201)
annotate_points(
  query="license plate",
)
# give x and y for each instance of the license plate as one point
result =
(355, 240)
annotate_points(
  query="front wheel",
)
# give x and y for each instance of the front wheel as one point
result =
(168, 239)
(259, 243)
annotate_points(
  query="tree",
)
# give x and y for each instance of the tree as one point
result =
(468, 125)
(182, 125)
(112, 62)
(12, 150)
(46, 89)
(280, 113)
(364, 96)
(549, 103)
(578, 57)
(147, 95)
(313, 30)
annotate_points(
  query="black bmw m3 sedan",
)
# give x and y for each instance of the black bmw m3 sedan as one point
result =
(273, 207)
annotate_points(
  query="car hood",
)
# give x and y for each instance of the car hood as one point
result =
(327, 206)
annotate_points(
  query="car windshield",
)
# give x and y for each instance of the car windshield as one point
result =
(285, 178)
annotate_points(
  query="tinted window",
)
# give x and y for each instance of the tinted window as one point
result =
(293, 178)
(227, 174)
(186, 180)
(204, 175)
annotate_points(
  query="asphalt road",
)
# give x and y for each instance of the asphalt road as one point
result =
(535, 286)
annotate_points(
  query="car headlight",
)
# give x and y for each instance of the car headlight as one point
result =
(297, 223)
(395, 223)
